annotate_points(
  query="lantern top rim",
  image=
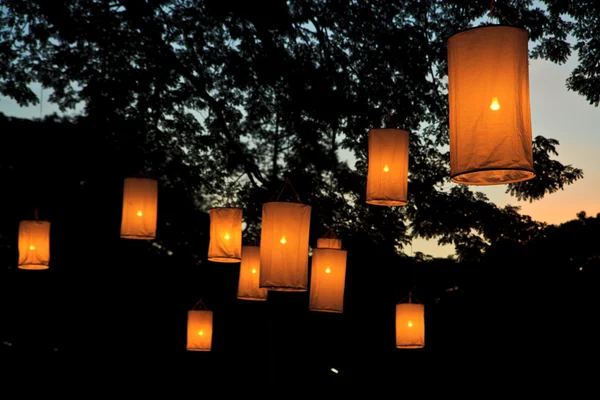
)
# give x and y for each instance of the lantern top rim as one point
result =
(287, 202)
(488, 27)
(143, 178)
(41, 220)
(389, 129)
(221, 207)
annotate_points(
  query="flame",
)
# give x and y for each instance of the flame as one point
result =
(227, 236)
(200, 333)
(410, 324)
(253, 270)
(495, 106)
(328, 270)
(283, 240)
(386, 168)
(31, 247)
(140, 213)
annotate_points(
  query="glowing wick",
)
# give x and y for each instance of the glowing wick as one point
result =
(253, 270)
(283, 240)
(495, 106)
(227, 236)
(386, 168)
(32, 247)
(139, 213)
(328, 270)
(410, 324)
(200, 333)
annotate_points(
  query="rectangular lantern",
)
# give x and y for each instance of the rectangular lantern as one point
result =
(248, 284)
(140, 202)
(410, 326)
(225, 244)
(387, 177)
(199, 330)
(284, 246)
(34, 244)
(490, 117)
(327, 280)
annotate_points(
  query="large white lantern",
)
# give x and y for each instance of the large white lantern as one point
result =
(225, 244)
(248, 283)
(284, 246)
(34, 245)
(410, 325)
(490, 117)
(387, 177)
(140, 204)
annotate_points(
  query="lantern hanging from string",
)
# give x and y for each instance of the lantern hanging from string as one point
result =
(410, 325)
(489, 106)
(329, 243)
(225, 244)
(34, 244)
(387, 176)
(199, 329)
(248, 283)
(328, 279)
(284, 245)
(140, 202)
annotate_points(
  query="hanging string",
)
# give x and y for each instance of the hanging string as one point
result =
(201, 304)
(35, 214)
(495, 13)
(229, 191)
(287, 183)
(41, 101)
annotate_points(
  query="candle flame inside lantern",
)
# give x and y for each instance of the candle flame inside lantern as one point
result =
(227, 236)
(253, 270)
(200, 333)
(32, 247)
(140, 213)
(283, 240)
(410, 324)
(328, 270)
(386, 168)
(495, 106)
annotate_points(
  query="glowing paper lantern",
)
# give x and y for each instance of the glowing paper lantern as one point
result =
(490, 117)
(225, 235)
(199, 330)
(284, 246)
(34, 245)
(329, 243)
(410, 326)
(387, 177)
(140, 201)
(327, 280)
(248, 284)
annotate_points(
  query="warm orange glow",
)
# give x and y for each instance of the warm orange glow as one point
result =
(495, 106)
(327, 280)
(488, 67)
(34, 245)
(248, 283)
(387, 176)
(199, 330)
(329, 243)
(140, 201)
(410, 326)
(284, 268)
(225, 235)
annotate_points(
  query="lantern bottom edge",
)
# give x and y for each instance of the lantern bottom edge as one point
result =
(229, 260)
(252, 298)
(386, 202)
(33, 267)
(284, 289)
(495, 176)
(326, 310)
(204, 350)
(410, 346)
(139, 237)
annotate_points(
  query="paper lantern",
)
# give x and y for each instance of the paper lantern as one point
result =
(327, 280)
(284, 246)
(199, 330)
(248, 284)
(329, 243)
(140, 201)
(410, 326)
(387, 177)
(34, 245)
(225, 235)
(490, 117)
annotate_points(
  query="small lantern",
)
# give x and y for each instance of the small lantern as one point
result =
(410, 325)
(34, 244)
(199, 330)
(284, 246)
(327, 280)
(225, 235)
(140, 201)
(490, 117)
(387, 177)
(248, 284)
(329, 243)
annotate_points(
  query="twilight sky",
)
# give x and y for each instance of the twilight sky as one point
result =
(556, 113)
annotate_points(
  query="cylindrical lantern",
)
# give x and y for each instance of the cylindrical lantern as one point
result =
(410, 326)
(284, 246)
(248, 284)
(140, 202)
(34, 244)
(225, 235)
(199, 330)
(387, 177)
(329, 243)
(327, 280)
(490, 117)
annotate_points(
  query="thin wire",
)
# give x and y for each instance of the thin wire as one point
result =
(200, 303)
(41, 100)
